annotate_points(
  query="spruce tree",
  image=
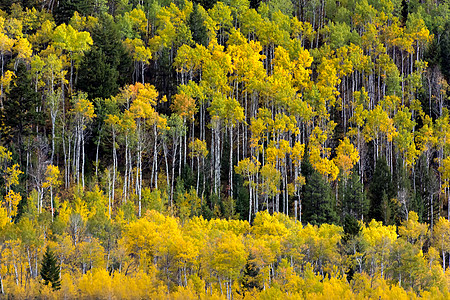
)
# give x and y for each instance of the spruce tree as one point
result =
(107, 66)
(353, 200)
(381, 191)
(251, 272)
(50, 270)
(318, 204)
(20, 116)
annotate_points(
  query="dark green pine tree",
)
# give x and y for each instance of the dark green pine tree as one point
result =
(444, 46)
(107, 66)
(95, 66)
(318, 204)
(20, 117)
(50, 270)
(198, 28)
(251, 271)
(381, 192)
(64, 9)
(353, 200)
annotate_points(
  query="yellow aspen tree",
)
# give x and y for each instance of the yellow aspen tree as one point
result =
(23, 49)
(319, 156)
(142, 108)
(413, 231)
(83, 112)
(113, 121)
(298, 152)
(11, 179)
(346, 157)
(185, 106)
(127, 128)
(248, 168)
(198, 149)
(379, 240)
(441, 130)
(141, 55)
(52, 180)
(74, 42)
(6, 45)
(441, 238)
(12, 199)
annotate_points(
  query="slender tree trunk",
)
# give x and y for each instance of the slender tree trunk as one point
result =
(51, 201)
(53, 117)
(97, 152)
(114, 173)
(231, 161)
(15, 268)
(167, 170)
(250, 178)
(139, 167)
(174, 155)
(29, 262)
(2, 291)
(198, 173)
(155, 159)
(125, 179)
(83, 158)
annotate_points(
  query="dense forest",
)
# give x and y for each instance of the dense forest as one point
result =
(237, 149)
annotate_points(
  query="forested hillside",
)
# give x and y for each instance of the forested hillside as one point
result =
(272, 149)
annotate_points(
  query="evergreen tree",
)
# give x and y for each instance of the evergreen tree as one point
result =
(20, 117)
(318, 205)
(95, 66)
(445, 52)
(50, 270)
(381, 191)
(352, 197)
(198, 28)
(405, 194)
(251, 272)
(65, 9)
(108, 65)
(427, 192)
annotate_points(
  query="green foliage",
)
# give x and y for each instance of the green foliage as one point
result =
(50, 270)
(94, 65)
(381, 192)
(251, 272)
(20, 113)
(445, 51)
(353, 200)
(318, 204)
(107, 66)
(243, 108)
(198, 28)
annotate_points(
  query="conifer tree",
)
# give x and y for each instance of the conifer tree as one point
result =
(317, 200)
(50, 270)
(381, 191)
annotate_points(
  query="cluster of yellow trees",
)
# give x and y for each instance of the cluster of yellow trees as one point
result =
(159, 257)
(262, 87)
(124, 123)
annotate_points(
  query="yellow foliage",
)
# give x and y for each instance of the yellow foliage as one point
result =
(5, 155)
(12, 176)
(346, 156)
(6, 79)
(4, 219)
(198, 148)
(84, 109)
(412, 230)
(52, 177)
(12, 199)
